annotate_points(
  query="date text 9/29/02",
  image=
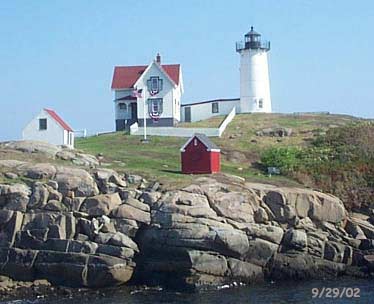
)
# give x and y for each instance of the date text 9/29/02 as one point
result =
(335, 293)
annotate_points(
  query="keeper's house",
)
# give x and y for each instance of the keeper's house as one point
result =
(160, 84)
(49, 127)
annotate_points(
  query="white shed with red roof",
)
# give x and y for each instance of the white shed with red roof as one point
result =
(49, 127)
(160, 84)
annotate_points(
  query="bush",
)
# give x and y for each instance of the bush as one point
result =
(340, 162)
(284, 158)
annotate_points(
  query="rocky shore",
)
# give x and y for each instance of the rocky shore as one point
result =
(92, 227)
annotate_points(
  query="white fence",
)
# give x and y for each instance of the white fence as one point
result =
(184, 132)
(226, 122)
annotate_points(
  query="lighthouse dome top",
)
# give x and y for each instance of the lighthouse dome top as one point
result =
(252, 41)
(252, 32)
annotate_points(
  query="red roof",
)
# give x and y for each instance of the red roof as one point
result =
(59, 120)
(126, 76)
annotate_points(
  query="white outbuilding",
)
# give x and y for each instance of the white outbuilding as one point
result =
(49, 127)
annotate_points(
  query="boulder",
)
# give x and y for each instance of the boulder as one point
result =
(73, 204)
(261, 216)
(10, 224)
(122, 240)
(234, 205)
(38, 171)
(137, 204)
(334, 252)
(134, 179)
(151, 198)
(185, 203)
(327, 208)
(11, 163)
(39, 197)
(87, 160)
(75, 180)
(120, 252)
(260, 251)
(54, 205)
(272, 234)
(364, 225)
(30, 146)
(302, 266)
(296, 239)
(276, 201)
(132, 213)
(65, 155)
(108, 175)
(233, 242)
(354, 230)
(275, 132)
(207, 262)
(14, 197)
(10, 175)
(244, 271)
(101, 204)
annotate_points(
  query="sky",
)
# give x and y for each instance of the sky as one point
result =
(61, 54)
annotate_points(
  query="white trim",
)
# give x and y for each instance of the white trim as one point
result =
(57, 123)
(167, 75)
(160, 68)
(183, 149)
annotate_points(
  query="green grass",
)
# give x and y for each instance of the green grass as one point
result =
(160, 158)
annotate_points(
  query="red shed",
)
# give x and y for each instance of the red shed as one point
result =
(200, 155)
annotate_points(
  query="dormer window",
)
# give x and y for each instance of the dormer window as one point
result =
(154, 85)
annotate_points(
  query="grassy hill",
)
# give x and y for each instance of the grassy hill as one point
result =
(241, 148)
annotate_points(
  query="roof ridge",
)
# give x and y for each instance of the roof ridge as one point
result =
(58, 119)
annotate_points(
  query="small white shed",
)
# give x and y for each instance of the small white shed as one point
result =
(49, 127)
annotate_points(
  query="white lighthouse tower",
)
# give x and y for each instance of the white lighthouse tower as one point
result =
(254, 74)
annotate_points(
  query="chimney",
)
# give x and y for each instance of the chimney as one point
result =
(158, 58)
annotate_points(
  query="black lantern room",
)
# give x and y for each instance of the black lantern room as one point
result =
(252, 40)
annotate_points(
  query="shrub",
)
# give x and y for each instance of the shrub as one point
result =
(284, 158)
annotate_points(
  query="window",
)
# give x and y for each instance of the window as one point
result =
(215, 108)
(155, 105)
(154, 84)
(43, 124)
(122, 106)
(195, 142)
(261, 103)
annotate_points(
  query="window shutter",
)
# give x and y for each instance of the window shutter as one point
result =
(161, 105)
(149, 103)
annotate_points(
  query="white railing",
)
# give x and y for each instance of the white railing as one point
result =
(226, 122)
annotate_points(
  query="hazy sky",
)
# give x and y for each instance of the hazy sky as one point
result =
(61, 54)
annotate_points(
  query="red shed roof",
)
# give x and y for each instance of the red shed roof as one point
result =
(59, 120)
(126, 76)
(210, 146)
